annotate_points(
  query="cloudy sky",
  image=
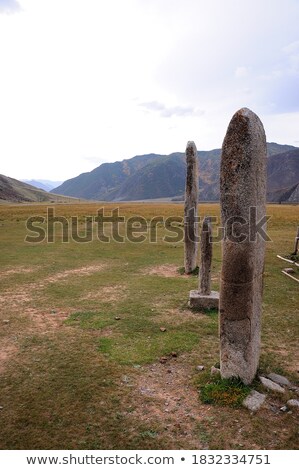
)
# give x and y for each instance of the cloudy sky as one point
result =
(83, 82)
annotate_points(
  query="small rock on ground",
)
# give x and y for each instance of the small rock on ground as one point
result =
(254, 400)
(279, 379)
(163, 359)
(289, 270)
(200, 368)
(271, 385)
(293, 403)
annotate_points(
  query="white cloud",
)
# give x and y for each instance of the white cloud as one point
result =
(9, 6)
(282, 128)
(292, 48)
(170, 111)
(241, 72)
(93, 81)
(292, 52)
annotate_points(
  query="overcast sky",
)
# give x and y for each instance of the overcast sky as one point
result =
(83, 82)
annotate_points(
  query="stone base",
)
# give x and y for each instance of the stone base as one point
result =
(199, 301)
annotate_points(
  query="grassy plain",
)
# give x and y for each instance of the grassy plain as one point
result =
(81, 342)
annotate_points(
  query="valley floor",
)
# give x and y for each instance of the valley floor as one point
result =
(85, 362)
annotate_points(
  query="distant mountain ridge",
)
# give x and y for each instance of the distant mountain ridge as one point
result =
(154, 176)
(12, 190)
(46, 185)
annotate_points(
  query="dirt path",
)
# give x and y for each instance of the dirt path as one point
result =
(164, 394)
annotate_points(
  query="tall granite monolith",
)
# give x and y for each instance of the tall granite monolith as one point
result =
(206, 257)
(190, 209)
(204, 298)
(243, 199)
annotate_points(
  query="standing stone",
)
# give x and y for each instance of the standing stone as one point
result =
(206, 258)
(296, 243)
(243, 199)
(204, 297)
(190, 210)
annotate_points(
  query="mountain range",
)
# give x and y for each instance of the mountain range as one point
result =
(46, 185)
(155, 176)
(12, 190)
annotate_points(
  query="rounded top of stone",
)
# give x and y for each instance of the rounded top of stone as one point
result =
(246, 113)
(206, 224)
(191, 150)
(244, 123)
(243, 165)
(190, 143)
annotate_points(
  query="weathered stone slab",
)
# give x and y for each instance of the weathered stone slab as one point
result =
(271, 385)
(243, 198)
(190, 209)
(279, 379)
(205, 257)
(204, 298)
(254, 400)
(237, 299)
(198, 301)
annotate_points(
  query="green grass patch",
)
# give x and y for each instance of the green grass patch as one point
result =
(224, 392)
(91, 320)
(195, 272)
(212, 312)
(140, 348)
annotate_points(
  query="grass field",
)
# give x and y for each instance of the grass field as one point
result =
(81, 344)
